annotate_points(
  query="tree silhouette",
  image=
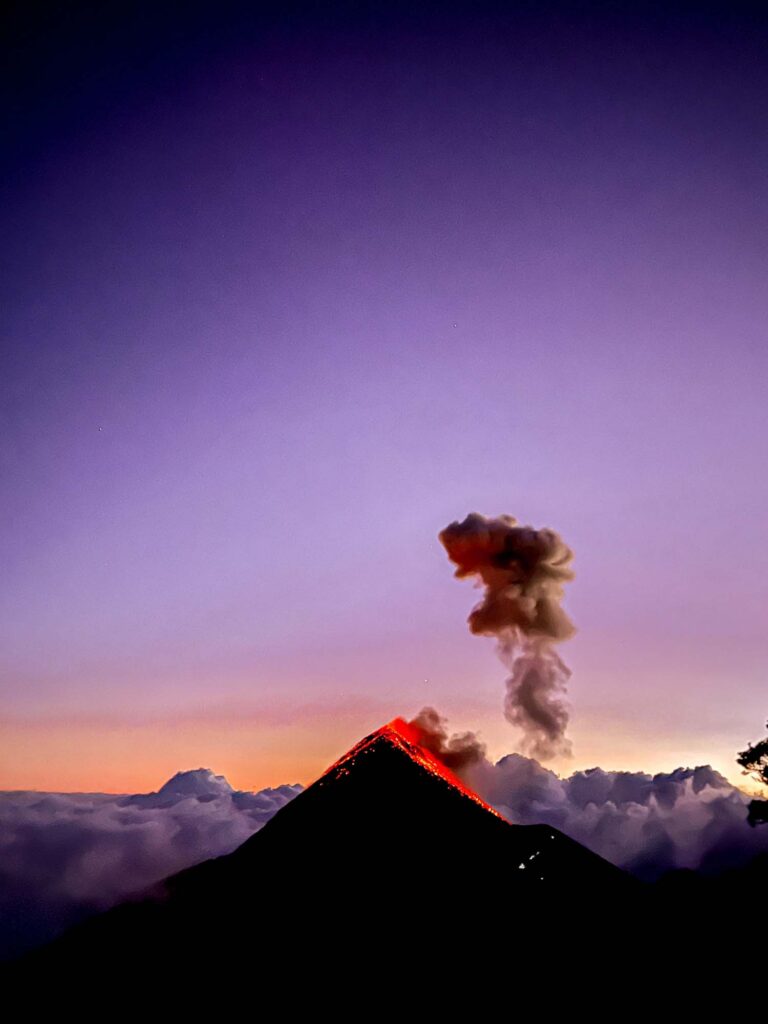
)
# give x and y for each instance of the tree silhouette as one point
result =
(755, 762)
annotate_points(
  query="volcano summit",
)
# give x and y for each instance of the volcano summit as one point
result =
(382, 860)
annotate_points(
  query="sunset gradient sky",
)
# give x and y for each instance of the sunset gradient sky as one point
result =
(286, 292)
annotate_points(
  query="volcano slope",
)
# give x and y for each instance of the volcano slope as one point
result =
(387, 863)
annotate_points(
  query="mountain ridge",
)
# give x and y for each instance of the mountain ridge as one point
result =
(386, 825)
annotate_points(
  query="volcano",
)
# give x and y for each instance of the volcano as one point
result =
(388, 854)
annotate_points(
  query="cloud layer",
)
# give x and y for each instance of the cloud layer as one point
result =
(649, 824)
(66, 855)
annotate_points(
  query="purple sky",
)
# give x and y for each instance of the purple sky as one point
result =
(285, 295)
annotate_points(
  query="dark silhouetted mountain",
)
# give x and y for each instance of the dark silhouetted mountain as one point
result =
(383, 862)
(386, 874)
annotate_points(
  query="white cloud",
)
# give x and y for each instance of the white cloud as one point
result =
(648, 824)
(64, 855)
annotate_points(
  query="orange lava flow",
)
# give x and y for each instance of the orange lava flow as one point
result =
(407, 738)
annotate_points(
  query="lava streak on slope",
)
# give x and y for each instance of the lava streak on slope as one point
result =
(406, 737)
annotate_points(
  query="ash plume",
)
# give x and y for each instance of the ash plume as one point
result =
(461, 750)
(522, 571)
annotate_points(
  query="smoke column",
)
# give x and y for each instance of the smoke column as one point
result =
(523, 571)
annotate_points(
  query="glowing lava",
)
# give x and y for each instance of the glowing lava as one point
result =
(407, 738)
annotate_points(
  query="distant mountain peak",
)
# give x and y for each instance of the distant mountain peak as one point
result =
(200, 784)
(196, 782)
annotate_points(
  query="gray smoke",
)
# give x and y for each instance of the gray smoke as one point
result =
(522, 571)
(456, 752)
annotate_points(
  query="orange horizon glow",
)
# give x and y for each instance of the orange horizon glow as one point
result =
(256, 747)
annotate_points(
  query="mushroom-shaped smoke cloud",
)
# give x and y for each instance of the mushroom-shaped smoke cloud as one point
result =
(522, 571)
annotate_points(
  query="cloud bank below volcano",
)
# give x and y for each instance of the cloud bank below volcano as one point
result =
(691, 818)
(64, 856)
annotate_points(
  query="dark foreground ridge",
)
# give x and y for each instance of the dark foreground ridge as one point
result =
(387, 863)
